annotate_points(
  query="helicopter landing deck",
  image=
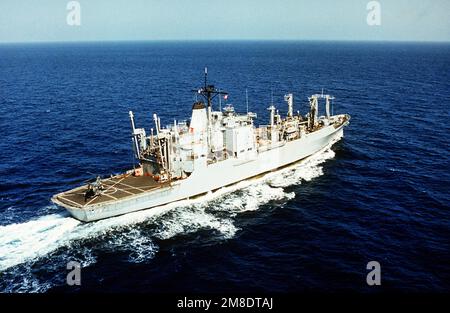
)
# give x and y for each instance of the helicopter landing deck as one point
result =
(112, 189)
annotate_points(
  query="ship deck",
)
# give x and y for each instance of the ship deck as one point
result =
(114, 189)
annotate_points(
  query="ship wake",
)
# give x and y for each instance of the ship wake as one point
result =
(136, 233)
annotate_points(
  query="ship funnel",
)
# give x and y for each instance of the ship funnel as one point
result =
(199, 119)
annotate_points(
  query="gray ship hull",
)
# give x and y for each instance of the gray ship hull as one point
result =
(211, 177)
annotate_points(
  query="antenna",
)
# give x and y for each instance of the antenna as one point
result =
(220, 102)
(209, 92)
(271, 96)
(246, 98)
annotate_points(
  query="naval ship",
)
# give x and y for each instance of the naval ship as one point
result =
(215, 149)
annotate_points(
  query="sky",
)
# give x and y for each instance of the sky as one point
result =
(111, 20)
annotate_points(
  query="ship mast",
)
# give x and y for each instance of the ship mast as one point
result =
(209, 92)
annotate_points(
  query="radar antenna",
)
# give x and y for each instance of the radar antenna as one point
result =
(209, 92)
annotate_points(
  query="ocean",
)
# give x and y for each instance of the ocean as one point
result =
(379, 194)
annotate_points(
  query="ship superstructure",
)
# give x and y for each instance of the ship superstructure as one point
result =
(214, 149)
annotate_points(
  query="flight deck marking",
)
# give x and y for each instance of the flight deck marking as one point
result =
(105, 194)
(132, 187)
(107, 190)
(77, 204)
(118, 189)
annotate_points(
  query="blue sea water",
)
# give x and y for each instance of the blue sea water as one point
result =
(380, 194)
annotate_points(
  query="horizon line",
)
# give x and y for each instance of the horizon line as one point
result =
(221, 40)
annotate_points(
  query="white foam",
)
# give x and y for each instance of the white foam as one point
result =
(189, 220)
(26, 241)
(251, 198)
(143, 248)
(23, 242)
(20, 242)
(306, 170)
(25, 282)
